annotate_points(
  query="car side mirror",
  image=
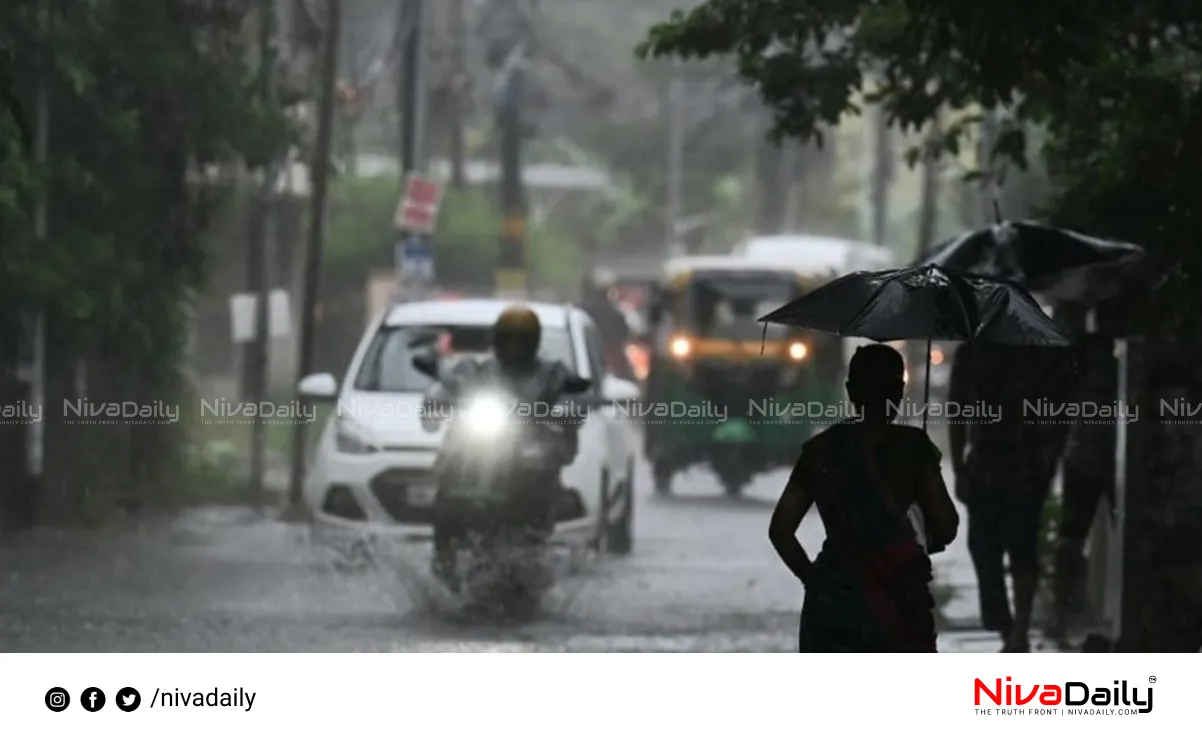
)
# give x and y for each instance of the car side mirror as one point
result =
(322, 387)
(426, 365)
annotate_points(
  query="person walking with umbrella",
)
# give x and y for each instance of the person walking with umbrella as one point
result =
(1077, 271)
(1089, 471)
(1004, 465)
(877, 485)
(869, 589)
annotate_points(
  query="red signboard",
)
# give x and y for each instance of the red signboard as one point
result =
(418, 210)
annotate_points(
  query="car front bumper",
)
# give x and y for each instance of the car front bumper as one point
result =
(389, 492)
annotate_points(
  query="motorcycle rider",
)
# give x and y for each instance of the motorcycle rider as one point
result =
(516, 368)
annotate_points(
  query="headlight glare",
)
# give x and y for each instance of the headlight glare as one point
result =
(485, 416)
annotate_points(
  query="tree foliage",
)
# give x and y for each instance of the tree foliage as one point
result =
(145, 100)
(917, 57)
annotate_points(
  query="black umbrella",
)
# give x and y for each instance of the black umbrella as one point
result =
(928, 302)
(1060, 264)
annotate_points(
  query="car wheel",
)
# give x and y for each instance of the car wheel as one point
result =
(621, 534)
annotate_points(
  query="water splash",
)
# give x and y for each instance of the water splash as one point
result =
(401, 571)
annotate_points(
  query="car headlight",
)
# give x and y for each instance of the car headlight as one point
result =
(350, 438)
(485, 416)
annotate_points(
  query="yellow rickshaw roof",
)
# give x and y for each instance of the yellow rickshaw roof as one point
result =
(679, 271)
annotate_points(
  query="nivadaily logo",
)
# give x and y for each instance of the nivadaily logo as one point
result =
(1068, 698)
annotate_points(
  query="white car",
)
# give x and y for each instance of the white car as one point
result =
(372, 467)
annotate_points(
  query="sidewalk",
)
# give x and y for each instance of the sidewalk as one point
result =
(982, 641)
(954, 572)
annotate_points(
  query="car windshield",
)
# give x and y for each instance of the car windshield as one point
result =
(388, 364)
(729, 307)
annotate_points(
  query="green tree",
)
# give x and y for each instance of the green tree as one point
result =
(147, 98)
(1115, 86)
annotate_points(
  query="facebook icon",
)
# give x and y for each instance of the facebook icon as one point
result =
(92, 699)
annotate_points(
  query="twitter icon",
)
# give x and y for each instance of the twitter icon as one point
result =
(128, 699)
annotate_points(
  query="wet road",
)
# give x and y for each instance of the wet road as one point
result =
(702, 578)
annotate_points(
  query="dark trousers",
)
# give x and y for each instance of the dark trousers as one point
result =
(1083, 491)
(1084, 488)
(1004, 523)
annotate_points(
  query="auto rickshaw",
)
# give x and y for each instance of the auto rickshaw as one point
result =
(724, 390)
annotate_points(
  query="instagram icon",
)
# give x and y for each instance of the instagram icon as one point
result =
(57, 699)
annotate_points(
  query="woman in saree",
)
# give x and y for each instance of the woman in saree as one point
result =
(868, 591)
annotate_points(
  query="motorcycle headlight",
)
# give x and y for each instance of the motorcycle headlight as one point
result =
(486, 416)
(350, 438)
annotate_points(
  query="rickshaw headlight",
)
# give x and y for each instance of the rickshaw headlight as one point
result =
(798, 351)
(680, 347)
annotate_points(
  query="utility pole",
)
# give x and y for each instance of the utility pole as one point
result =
(317, 227)
(511, 265)
(420, 85)
(770, 168)
(457, 92)
(882, 175)
(991, 186)
(928, 214)
(41, 229)
(792, 185)
(675, 147)
(411, 98)
(917, 353)
(261, 258)
(409, 93)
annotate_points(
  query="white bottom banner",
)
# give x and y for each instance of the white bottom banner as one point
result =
(593, 697)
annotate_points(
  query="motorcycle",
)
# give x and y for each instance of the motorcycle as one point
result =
(496, 471)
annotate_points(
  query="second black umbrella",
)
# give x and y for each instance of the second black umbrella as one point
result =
(1060, 264)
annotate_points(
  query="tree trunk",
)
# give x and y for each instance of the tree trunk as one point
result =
(60, 500)
(883, 164)
(16, 505)
(773, 197)
(458, 95)
(1162, 581)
